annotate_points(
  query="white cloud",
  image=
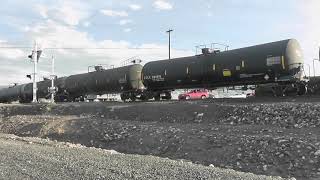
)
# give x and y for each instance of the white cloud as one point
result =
(68, 12)
(135, 7)
(125, 22)
(14, 65)
(86, 24)
(15, 73)
(58, 28)
(25, 28)
(113, 13)
(43, 10)
(162, 5)
(10, 54)
(127, 30)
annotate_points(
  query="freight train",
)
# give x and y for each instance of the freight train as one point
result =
(279, 63)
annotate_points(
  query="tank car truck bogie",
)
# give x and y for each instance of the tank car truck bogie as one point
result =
(132, 96)
(165, 95)
(158, 95)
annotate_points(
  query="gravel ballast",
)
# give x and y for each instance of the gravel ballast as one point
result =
(275, 137)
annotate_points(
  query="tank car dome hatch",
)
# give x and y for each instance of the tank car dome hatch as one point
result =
(98, 68)
(13, 85)
(205, 51)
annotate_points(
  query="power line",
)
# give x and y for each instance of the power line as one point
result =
(100, 48)
(84, 48)
(15, 47)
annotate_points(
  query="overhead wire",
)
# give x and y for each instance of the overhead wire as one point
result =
(85, 48)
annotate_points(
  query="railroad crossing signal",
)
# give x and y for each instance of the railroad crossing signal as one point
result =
(35, 56)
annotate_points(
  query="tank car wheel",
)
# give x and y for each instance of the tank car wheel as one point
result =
(133, 98)
(203, 97)
(188, 97)
(123, 97)
(278, 91)
(157, 97)
(167, 96)
(81, 99)
(301, 89)
(144, 98)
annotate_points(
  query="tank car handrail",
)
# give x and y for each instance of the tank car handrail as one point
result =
(212, 47)
(226, 47)
(104, 66)
(133, 60)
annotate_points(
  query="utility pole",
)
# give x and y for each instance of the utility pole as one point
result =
(169, 31)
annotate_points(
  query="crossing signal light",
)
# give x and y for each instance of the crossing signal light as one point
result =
(136, 61)
(38, 54)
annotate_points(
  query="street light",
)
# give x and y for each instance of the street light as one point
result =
(169, 32)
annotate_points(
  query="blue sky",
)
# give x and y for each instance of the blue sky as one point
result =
(142, 23)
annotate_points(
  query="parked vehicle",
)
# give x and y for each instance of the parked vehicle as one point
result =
(252, 94)
(194, 94)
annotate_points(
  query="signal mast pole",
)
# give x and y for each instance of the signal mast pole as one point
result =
(52, 76)
(35, 71)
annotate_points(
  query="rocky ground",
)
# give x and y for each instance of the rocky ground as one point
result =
(33, 158)
(278, 137)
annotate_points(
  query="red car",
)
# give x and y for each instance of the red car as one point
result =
(194, 94)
